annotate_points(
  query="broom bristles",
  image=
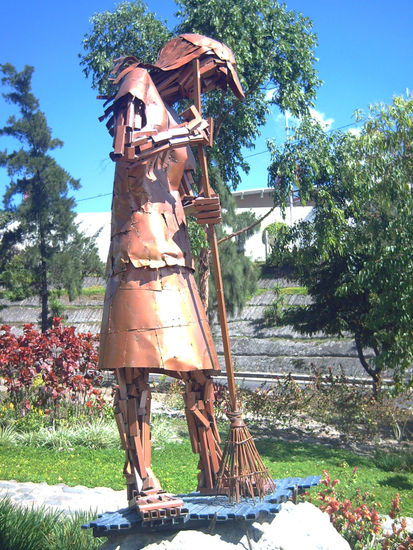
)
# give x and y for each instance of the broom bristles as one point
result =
(242, 472)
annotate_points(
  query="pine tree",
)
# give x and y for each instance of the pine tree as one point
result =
(38, 222)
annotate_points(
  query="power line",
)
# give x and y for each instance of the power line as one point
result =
(94, 197)
(331, 130)
(246, 157)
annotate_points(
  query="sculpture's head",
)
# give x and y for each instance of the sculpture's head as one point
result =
(173, 71)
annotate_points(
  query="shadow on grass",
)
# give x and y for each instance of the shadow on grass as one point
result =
(398, 482)
(285, 451)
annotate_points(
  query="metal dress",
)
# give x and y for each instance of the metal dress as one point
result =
(153, 316)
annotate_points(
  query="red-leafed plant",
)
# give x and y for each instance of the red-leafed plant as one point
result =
(45, 370)
(399, 538)
(358, 520)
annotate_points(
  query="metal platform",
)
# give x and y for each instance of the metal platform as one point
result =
(201, 510)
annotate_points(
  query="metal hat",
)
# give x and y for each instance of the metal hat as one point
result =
(182, 49)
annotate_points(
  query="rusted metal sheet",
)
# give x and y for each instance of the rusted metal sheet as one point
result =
(153, 317)
(217, 66)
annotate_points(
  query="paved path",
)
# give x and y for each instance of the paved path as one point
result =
(64, 498)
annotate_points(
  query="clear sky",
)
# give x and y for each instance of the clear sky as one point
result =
(365, 56)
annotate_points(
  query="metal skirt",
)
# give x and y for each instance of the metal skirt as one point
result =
(154, 318)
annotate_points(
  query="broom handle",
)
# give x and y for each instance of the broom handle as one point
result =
(213, 243)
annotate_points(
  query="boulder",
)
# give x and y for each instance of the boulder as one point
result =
(295, 527)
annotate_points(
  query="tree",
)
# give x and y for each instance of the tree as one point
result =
(274, 49)
(40, 243)
(128, 30)
(356, 256)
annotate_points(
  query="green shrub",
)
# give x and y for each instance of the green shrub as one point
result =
(282, 401)
(394, 462)
(350, 407)
(273, 313)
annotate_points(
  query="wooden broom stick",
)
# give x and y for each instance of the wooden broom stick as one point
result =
(213, 243)
(242, 472)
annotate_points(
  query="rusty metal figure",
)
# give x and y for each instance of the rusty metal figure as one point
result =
(153, 318)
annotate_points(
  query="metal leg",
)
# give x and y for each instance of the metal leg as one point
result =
(132, 413)
(203, 431)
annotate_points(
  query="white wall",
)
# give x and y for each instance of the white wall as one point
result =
(255, 248)
(90, 223)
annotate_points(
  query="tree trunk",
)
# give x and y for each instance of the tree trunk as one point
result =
(374, 373)
(44, 287)
(244, 229)
(377, 382)
(204, 276)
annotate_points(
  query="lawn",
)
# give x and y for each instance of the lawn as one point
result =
(175, 465)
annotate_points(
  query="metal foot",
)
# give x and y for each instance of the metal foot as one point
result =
(157, 505)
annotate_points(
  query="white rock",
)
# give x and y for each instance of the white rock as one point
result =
(388, 522)
(301, 526)
(295, 527)
(63, 498)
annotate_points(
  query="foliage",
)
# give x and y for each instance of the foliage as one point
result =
(357, 519)
(274, 49)
(239, 278)
(78, 259)
(40, 243)
(331, 402)
(197, 236)
(40, 529)
(44, 370)
(273, 313)
(355, 256)
(342, 403)
(284, 400)
(277, 236)
(128, 30)
(328, 402)
(239, 274)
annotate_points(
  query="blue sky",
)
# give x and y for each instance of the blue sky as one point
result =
(365, 56)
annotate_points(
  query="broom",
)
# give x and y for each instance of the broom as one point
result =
(242, 472)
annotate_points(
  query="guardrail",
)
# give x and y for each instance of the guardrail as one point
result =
(300, 378)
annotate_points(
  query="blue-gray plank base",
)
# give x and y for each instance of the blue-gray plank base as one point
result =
(200, 510)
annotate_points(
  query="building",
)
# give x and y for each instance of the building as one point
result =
(261, 201)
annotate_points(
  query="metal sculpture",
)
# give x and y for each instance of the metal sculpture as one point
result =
(153, 318)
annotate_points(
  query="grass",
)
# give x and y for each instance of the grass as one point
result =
(260, 291)
(176, 466)
(93, 291)
(96, 290)
(38, 529)
(291, 290)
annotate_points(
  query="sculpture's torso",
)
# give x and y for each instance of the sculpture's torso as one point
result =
(153, 316)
